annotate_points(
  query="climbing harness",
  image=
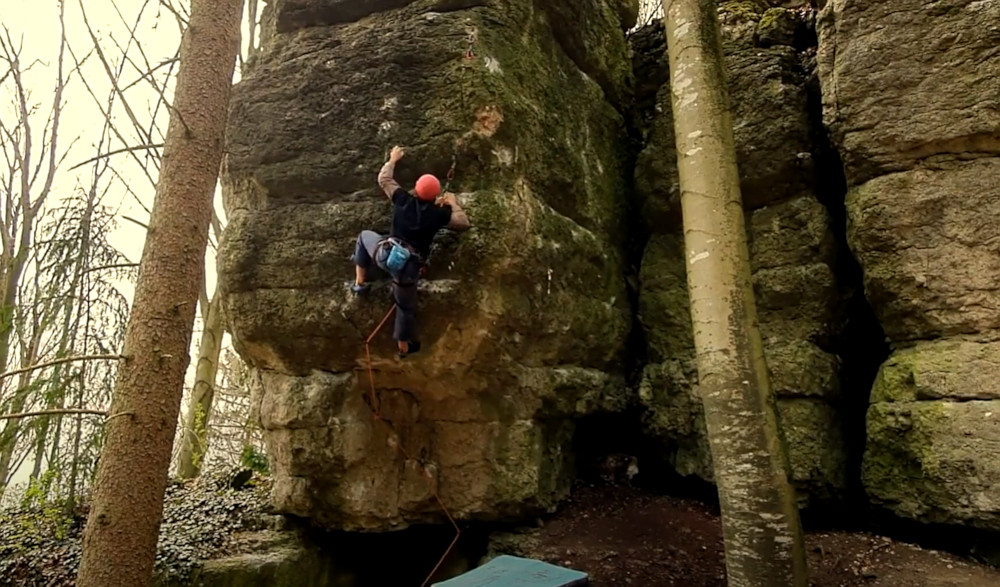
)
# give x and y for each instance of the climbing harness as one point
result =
(393, 254)
(374, 403)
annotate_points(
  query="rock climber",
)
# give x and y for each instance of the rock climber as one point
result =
(403, 254)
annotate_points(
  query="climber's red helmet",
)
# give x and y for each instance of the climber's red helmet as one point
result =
(428, 187)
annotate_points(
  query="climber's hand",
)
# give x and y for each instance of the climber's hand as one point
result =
(447, 199)
(396, 154)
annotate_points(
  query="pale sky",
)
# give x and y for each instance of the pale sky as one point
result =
(37, 21)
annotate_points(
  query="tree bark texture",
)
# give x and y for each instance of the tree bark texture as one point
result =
(119, 544)
(194, 438)
(763, 537)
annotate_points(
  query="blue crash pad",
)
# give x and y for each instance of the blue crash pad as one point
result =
(512, 571)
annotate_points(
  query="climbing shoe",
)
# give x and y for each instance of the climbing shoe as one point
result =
(359, 289)
(413, 347)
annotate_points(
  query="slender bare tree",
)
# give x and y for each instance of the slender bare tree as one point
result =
(30, 172)
(194, 439)
(31, 162)
(763, 537)
(122, 529)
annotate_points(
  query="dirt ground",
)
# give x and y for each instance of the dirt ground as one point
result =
(624, 536)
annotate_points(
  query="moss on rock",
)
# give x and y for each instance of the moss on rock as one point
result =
(797, 296)
(948, 369)
(738, 23)
(773, 136)
(777, 26)
(934, 461)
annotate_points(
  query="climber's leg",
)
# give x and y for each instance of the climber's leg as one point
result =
(364, 257)
(405, 331)
(404, 293)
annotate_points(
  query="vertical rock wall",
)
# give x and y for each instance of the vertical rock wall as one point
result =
(526, 318)
(793, 255)
(912, 98)
(523, 318)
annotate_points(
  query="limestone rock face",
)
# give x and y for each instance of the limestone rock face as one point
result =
(910, 97)
(268, 557)
(908, 81)
(933, 432)
(771, 127)
(523, 318)
(927, 241)
(792, 257)
(803, 375)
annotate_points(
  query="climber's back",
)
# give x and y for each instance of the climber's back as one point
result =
(416, 220)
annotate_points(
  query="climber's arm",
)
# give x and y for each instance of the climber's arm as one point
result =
(459, 219)
(385, 175)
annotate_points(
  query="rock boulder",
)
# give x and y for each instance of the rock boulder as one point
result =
(771, 127)
(927, 239)
(910, 98)
(933, 433)
(797, 315)
(909, 81)
(523, 318)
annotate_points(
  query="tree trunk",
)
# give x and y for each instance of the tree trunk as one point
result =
(119, 543)
(194, 439)
(763, 537)
(74, 464)
(10, 434)
(41, 437)
(12, 430)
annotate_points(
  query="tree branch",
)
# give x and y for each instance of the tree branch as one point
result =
(53, 412)
(117, 152)
(134, 221)
(113, 266)
(113, 78)
(182, 22)
(60, 362)
(108, 114)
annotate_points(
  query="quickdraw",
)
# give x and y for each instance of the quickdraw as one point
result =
(470, 38)
(451, 170)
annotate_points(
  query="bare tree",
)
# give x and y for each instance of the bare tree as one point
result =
(27, 177)
(235, 435)
(121, 532)
(194, 435)
(763, 537)
(68, 314)
(649, 12)
(29, 174)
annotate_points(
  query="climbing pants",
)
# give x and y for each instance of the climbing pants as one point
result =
(366, 248)
(367, 252)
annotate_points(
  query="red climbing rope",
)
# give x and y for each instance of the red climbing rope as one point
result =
(375, 404)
